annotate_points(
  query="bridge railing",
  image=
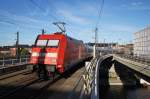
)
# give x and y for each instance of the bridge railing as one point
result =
(91, 78)
(140, 65)
(12, 62)
(136, 58)
(88, 78)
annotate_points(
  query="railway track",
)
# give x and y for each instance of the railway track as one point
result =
(7, 76)
(11, 79)
(32, 88)
(64, 88)
(29, 90)
(15, 83)
(22, 85)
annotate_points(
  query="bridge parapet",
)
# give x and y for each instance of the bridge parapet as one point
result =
(91, 78)
(140, 65)
(135, 58)
(88, 78)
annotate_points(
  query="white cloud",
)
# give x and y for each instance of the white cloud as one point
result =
(122, 28)
(87, 9)
(139, 5)
(71, 17)
(21, 21)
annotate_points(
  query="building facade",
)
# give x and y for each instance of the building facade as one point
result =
(125, 49)
(142, 43)
(10, 51)
(104, 47)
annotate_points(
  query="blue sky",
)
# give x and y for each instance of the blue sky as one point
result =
(120, 19)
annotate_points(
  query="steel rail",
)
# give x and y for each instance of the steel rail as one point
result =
(23, 85)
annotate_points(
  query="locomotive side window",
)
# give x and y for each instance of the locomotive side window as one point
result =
(53, 43)
(41, 42)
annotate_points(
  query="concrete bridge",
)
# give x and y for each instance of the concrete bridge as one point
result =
(104, 77)
(114, 76)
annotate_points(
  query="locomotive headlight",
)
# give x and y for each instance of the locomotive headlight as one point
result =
(35, 54)
(53, 60)
(51, 54)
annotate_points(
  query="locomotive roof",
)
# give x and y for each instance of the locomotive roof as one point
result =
(59, 33)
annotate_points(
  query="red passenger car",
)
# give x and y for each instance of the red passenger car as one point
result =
(56, 53)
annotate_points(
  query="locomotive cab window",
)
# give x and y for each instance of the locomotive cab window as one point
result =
(53, 43)
(41, 42)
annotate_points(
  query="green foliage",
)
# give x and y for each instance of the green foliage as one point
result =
(23, 52)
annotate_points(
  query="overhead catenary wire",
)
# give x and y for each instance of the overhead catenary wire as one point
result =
(15, 22)
(100, 10)
(41, 8)
(99, 13)
(64, 18)
(8, 22)
(52, 10)
(18, 25)
(53, 14)
(61, 16)
(52, 7)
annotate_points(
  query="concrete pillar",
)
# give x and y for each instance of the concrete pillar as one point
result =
(94, 51)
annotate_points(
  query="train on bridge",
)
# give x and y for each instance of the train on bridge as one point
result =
(56, 53)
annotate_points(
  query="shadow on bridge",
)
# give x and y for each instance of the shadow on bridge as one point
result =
(127, 76)
(104, 76)
(130, 82)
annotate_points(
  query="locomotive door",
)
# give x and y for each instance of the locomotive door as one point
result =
(80, 52)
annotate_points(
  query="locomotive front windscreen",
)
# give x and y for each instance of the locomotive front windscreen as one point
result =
(53, 43)
(48, 43)
(41, 42)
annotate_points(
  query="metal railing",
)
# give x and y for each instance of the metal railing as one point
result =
(91, 78)
(95, 85)
(88, 78)
(144, 61)
(91, 75)
(138, 64)
(12, 62)
(136, 58)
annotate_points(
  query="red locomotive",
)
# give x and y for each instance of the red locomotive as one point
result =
(56, 53)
